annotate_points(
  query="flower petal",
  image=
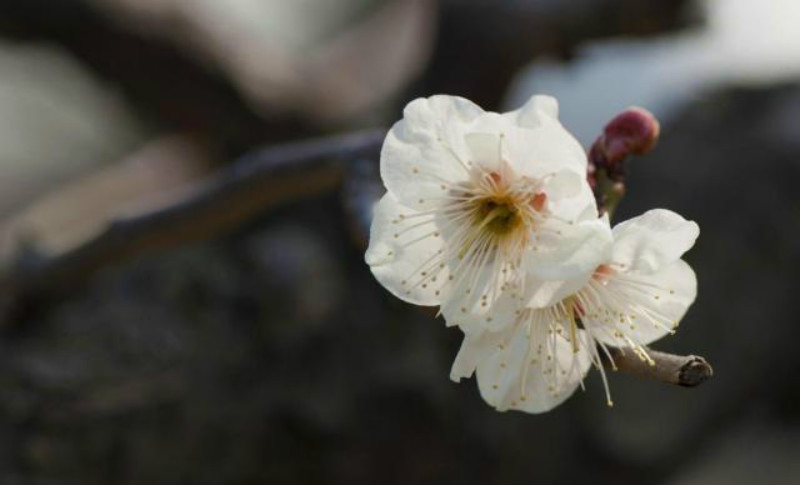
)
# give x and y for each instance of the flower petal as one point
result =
(565, 251)
(656, 238)
(426, 149)
(404, 252)
(514, 375)
(540, 109)
(656, 305)
(489, 302)
(564, 184)
(484, 148)
(544, 150)
(572, 198)
(476, 347)
(546, 293)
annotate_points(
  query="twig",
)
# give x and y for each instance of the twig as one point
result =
(253, 184)
(682, 370)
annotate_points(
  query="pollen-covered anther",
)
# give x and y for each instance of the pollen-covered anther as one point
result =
(498, 215)
(538, 201)
(603, 273)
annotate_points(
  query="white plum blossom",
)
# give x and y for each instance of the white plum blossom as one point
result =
(635, 297)
(479, 203)
(529, 366)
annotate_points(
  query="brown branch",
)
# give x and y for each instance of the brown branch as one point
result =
(253, 184)
(682, 370)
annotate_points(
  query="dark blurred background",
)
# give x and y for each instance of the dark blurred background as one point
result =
(269, 354)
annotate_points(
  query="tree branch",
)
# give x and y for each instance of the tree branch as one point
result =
(256, 182)
(682, 370)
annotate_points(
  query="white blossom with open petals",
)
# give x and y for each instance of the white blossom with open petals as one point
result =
(637, 296)
(645, 289)
(478, 202)
(529, 366)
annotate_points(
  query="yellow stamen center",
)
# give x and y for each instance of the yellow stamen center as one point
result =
(498, 215)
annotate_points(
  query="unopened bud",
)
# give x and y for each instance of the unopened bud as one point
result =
(633, 132)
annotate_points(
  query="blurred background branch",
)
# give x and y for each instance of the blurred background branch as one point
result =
(247, 188)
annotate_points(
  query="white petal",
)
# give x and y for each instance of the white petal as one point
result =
(564, 184)
(545, 293)
(403, 258)
(471, 311)
(653, 240)
(484, 148)
(476, 346)
(657, 308)
(578, 206)
(566, 251)
(512, 375)
(427, 149)
(541, 145)
(539, 109)
(542, 151)
(484, 139)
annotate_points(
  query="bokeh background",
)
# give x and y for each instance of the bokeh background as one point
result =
(268, 354)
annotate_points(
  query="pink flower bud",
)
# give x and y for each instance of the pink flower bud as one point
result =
(633, 132)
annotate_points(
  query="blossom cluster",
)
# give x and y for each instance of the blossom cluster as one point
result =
(490, 217)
